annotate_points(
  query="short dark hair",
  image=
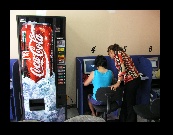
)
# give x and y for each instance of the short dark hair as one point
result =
(115, 47)
(100, 60)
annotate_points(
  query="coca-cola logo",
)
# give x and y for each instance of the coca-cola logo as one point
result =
(36, 47)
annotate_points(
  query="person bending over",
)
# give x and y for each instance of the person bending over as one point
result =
(102, 77)
(127, 73)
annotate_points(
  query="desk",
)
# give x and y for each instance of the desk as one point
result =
(144, 78)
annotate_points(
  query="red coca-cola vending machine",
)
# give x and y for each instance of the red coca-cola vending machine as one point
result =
(42, 66)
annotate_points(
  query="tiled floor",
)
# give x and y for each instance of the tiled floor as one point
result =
(72, 112)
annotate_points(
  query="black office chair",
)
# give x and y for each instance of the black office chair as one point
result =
(150, 111)
(110, 98)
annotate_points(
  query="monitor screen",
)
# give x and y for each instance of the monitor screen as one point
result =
(89, 65)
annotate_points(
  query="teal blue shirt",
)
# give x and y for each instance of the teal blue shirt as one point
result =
(101, 80)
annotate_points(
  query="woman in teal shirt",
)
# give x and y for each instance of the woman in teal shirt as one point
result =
(102, 77)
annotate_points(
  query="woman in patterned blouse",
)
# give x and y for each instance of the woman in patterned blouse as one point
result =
(127, 73)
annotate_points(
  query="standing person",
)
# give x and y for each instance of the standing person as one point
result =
(102, 77)
(128, 73)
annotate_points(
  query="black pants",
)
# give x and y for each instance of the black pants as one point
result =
(127, 113)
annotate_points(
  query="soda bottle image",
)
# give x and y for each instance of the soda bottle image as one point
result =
(36, 45)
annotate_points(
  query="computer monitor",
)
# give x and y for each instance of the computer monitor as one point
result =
(154, 62)
(155, 65)
(89, 65)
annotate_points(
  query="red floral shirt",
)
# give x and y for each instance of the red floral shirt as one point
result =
(125, 66)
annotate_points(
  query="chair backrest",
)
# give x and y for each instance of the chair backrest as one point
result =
(114, 95)
(155, 106)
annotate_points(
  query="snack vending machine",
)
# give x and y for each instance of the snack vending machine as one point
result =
(42, 66)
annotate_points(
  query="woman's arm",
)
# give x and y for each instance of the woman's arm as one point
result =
(117, 84)
(90, 78)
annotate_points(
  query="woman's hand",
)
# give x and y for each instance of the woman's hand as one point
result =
(115, 86)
